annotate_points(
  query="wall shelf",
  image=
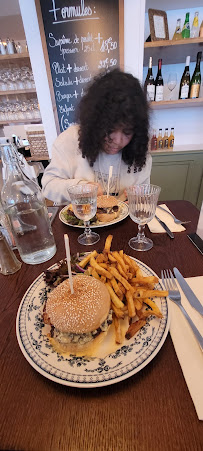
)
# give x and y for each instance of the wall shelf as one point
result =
(172, 52)
(18, 91)
(186, 103)
(21, 121)
(15, 56)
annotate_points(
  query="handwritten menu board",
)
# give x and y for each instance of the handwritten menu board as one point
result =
(82, 38)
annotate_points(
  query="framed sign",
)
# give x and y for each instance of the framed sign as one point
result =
(158, 25)
(80, 38)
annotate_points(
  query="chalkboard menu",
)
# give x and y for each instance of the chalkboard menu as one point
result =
(83, 37)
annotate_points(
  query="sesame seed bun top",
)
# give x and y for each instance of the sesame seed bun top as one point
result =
(81, 312)
(106, 202)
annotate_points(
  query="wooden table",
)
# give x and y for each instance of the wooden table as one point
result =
(152, 410)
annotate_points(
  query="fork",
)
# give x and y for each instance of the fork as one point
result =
(174, 294)
(177, 221)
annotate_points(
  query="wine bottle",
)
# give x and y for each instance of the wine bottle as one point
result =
(201, 30)
(171, 139)
(185, 81)
(149, 82)
(159, 84)
(160, 140)
(186, 27)
(154, 141)
(177, 34)
(195, 26)
(196, 79)
(165, 140)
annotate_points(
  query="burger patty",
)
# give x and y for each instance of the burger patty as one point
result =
(108, 209)
(65, 338)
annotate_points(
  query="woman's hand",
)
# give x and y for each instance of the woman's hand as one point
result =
(100, 191)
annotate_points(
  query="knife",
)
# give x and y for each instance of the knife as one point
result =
(191, 297)
(165, 227)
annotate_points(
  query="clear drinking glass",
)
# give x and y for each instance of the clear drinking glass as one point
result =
(84, 202)
(142, 200)
(9, 263)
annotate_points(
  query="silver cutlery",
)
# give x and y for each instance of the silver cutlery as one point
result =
(165, 227)
(177, 221)
(174, 294)
(191, 297)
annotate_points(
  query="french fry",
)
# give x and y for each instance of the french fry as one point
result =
(100, 270)
(115, 286)
(120, 260)
(95, 274)
(143, 314)
(115, 299)
(103, 265)
(120, 269)
(86, 260)
(103, 279)
(131, 306)
(131, 263)
(121, 253)
(100, 258)
(134, 327)
(88, 271)
(151, 293)
(145, 280)
(155, 310)
(111, 258)
(137, 303)
(120, 313)
(122, 288)
(117, 326)
(121, 279)
(108, 242)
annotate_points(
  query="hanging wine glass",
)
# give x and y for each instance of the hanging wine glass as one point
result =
(142, 201)
(84, 202)
(171, 83)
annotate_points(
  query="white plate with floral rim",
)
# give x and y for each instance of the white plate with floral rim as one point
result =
(130, 358)
(123, 213)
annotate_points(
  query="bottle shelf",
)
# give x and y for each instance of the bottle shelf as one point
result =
(21, 121)
(17, 91)
(186, 103)
(172, 52)
(14, 56)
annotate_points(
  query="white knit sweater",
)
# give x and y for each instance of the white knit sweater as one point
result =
(67, 167)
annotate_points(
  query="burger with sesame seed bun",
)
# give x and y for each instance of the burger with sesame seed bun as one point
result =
(107, 208)
(79, 319)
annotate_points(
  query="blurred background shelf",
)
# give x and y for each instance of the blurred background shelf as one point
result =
(14, 56)
(21, 121)
(172, 52)
(18, 91)
(186, 103)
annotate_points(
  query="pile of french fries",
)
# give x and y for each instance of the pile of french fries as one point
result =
(131, 293)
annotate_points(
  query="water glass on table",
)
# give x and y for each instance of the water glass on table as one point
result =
(84, 202)
(9, 264)
(142, 201)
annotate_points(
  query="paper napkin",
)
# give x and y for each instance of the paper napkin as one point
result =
(155, 227)
(186, 346)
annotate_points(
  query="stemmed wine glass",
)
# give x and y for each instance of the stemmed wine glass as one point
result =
(142, 201)
(172, 82)
(84, 202)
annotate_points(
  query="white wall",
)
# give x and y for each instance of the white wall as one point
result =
(30, 22)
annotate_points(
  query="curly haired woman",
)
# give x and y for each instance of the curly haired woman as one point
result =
(112, 130)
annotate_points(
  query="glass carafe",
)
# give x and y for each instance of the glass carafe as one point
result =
(23, 202)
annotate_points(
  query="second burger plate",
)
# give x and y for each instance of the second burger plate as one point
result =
(123, 213)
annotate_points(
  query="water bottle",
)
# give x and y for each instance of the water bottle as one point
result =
(24, 204)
